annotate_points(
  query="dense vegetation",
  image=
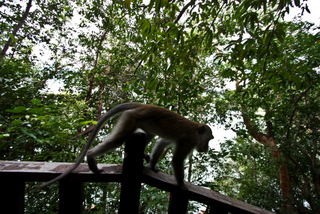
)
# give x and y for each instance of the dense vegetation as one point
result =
(179, 55)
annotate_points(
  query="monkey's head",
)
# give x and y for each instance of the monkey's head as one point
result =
(204, 136)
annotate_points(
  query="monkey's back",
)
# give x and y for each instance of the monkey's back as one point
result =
(163, 122)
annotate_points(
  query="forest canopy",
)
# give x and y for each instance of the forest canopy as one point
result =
(65, 63)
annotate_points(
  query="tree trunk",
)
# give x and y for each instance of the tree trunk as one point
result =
(270, 142)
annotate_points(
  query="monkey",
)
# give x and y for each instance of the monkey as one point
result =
(172, 129)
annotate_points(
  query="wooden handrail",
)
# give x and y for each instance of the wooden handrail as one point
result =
(13, 174)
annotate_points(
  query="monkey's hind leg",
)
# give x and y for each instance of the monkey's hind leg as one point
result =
(93, 166)
(125, 126)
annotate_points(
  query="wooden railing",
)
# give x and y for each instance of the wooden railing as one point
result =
(14, 174)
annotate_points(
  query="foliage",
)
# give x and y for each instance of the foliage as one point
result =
(286, 95)
(171, 53)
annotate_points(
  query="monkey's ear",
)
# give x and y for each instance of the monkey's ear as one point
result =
(202, 130)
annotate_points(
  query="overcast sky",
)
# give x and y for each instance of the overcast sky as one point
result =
(314, 7)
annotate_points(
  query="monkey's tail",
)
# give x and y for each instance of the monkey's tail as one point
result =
(116, 110)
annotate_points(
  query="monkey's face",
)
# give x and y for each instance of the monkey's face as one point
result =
(202, 148)
(205, 135)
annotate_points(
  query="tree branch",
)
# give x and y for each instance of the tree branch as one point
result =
(252, 129)
(88, 130)
(15, 30)
(182, 12)
(295, 108)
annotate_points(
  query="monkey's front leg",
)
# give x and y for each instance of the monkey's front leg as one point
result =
(93, 166)
(178, 172)
(179, 155)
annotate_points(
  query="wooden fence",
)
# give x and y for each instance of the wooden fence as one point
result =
(14, 174)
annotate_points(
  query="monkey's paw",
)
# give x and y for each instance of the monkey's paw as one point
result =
(92, 163)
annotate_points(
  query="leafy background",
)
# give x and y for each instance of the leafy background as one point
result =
(236, 65)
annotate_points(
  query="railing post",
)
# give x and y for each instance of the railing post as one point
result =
(70, 196)
(178, 202)
(132, 174)
(12, 196)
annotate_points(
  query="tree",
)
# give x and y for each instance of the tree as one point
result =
(284, 86)
(168, 53)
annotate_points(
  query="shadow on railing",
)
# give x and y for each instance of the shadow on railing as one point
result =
(14, 174)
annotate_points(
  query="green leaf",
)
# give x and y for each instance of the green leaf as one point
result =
(150, 61)
(16, 122)
(14, 40)
(67, 8)
(268, 37)
(209, 38)
(151, 5)
(137, 91)
(127, 3)
(36, 111)
(27, 133)
(152, 84)
(280, 33)
(263, 52)
(297, 81)
(145, 28)
(89, 122)
(17, 109)
(157, 7)
(36, 101)
(307, 9)
(171, 24)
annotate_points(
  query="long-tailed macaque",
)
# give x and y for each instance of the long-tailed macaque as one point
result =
(171, 127)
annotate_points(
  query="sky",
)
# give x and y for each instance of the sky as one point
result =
(314, 7)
